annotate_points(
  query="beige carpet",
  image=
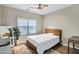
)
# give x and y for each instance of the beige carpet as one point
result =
(21, 49)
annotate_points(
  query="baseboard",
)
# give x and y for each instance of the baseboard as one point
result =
(70, 46)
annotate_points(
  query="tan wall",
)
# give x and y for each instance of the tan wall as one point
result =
(66, 19)
(0, 15)
(9, 17)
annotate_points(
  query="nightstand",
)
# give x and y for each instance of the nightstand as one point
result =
(74, 40)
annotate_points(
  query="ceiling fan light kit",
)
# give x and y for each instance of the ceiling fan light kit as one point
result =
(40, 6)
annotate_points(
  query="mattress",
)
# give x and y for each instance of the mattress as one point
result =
(43, 41)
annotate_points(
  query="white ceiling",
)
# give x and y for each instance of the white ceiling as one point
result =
(49, 9)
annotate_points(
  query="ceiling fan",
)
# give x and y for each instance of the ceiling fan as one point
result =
(39, 6)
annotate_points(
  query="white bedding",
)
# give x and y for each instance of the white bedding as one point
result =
(43, 41)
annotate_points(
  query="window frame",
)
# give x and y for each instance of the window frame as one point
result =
(28, 20)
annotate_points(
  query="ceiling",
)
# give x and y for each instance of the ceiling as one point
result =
(47, 10)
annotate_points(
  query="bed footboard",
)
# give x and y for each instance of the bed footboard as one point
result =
(31, 46)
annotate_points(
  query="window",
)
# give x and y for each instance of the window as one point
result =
(22, 25)
(26, 26)
(32, 26)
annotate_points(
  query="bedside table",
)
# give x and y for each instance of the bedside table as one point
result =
(74, 40)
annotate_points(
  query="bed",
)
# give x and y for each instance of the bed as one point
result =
(42, 42)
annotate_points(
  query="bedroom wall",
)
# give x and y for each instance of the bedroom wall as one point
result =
(0, 15)
(9, 17)
(66, 19)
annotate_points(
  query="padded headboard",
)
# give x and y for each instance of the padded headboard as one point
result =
(57, 32)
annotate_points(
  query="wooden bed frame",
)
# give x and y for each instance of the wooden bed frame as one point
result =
(57, 32)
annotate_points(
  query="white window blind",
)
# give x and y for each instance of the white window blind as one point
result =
(32, 26)
(26, 26)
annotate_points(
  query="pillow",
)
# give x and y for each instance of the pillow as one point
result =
(50, 34)
(47, 35)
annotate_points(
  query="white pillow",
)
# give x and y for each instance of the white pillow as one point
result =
(50, 34)
(47, 35)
